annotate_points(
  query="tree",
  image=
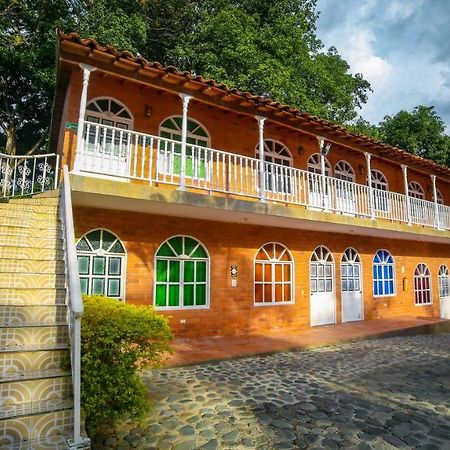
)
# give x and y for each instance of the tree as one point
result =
(420, 132)
(271, 48)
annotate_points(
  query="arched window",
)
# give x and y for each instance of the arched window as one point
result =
(440, 197)
(443, 278)
(383, 274)
(422, 285)
(415, 190)
(321, 268)
(169, 155)
(379, 181)
(274, 273)
(182, 274)
(277, 178)
(101, 264)
(314, 165)
(108, 111)
(351, 271)
(344, 171)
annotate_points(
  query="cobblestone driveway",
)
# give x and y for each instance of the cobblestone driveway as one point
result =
(384, 393)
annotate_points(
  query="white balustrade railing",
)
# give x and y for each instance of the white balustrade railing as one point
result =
(74, 306)
(27, 175)
(123, 154)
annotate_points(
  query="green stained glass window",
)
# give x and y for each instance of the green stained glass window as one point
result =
(99, 265)
(189, 271)
(83, 265)
(161, 270)
(181, 276)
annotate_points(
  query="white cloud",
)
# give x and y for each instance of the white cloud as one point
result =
(401, 9)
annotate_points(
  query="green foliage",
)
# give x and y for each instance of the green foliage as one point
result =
(117, 341)
(420, 132)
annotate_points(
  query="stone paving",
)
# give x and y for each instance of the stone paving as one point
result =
(381, 394)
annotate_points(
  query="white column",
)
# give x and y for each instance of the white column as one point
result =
(262, 177)
(436, 207)
(87, 69)
(406, 188)
(369, 184)
(185, 98)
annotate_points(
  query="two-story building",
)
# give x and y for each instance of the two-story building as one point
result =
(233, 213)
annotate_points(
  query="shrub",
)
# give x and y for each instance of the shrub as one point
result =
(117, 341)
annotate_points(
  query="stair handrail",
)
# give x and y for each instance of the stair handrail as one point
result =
(74, 302)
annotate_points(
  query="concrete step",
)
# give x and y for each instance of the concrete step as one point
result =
(37, 297)
(17, 365)
(58, 442)
(32, 280)
(46, 426)
(7, 230)
(11, 240)
(25, 397)
(20, 316)
(32, 252)
(13, 265)
(14, 339)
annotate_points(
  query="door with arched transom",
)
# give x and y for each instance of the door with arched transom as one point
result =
(351, 286)
(444, 291)
(322, 288)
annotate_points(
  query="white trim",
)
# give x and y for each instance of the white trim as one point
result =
(189, 134)
(380, 181)
(314, 163)
(430, 281)
(272, 153)
(107, 115)
(291, 262)
(394, 273)
(208, 276)
(415, 190)
(346, 173)
(124, 259)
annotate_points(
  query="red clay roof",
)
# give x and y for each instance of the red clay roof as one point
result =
(257, 100)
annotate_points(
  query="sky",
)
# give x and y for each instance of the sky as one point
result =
(402, 47)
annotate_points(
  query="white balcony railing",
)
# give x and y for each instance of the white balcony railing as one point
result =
(129, 155)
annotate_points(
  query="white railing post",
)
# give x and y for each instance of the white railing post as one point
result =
(87, 69)
(75, 307)
(185, 99)
(369, 184)
(324, 148)
(435, 202)
(406, 188)
(262, 169)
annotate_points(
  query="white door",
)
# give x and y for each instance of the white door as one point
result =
(345, 188)
(444, 292)
(322, 297)
(319, 187)
(351, 286)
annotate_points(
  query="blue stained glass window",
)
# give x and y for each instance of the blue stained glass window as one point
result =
(383, 274)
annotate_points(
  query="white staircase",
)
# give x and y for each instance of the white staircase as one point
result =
(36, 405)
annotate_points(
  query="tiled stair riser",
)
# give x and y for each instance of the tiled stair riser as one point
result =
(19, 392)
(42, 426)
(36, 253)
(32, 266)
(29, 217)
(25, 362)
(48, 223)
(11, 240)
(15, 338)
(26, 315)
(6, 230)
(30, 296)
(35, 201)
(24, 207)
(32, 280)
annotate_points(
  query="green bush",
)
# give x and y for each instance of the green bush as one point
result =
(117, 341)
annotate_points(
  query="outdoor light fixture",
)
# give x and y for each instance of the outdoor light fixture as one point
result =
(148, 110)
(324, 146)
(361, 169)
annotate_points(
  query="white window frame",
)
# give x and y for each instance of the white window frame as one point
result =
(443, 278)
(314, 165)
(319, 259)
(440, 197)
(123, 257)
(422, 290)
(355, 259)
(379, 180)
(108, 115)
(415, 190)
(273, 262)
(208, 276)
(394, 275)
(343, 170)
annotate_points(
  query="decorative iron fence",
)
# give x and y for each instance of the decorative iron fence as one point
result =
(26, 175)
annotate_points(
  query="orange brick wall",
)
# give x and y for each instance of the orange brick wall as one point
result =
(229, 131)
(231, 309)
